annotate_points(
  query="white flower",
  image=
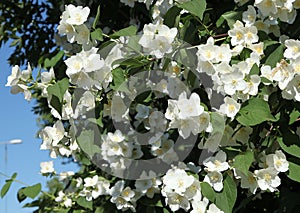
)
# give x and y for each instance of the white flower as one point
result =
(215, 179)
(184, 114)
(267, 179)
(223, 53)
(208, 51)
(47, 167)
(266, 7)
(85, 104)
(74, 64)
(67, 29)
(63, 198)
(157, 39)
(296, 66)
(83, 34)
(194, 190)
(249, 182)
(13, 79)
(199, 206)
(118, 109)
(77, 15)
(142, 111)
(123, 198)
(91, 182)
(176, 201)
(252, 85)
(250, 35)
(233, 82)
(46, 77)
(217, 163)
(237, 34)
(127, 194)
(177, 180)
(206, 67)
(257, 48)
(157, 121)
(266, 72)
(186, 126)
(230, 107)
(292, 90)
(189, 107)
(293, 49)
(278, 161)
(204, 122)
(52, 135)
(148, 184)
(249, 16)
(101, 188)
(116, 137)
(283, 73)
(213, 209)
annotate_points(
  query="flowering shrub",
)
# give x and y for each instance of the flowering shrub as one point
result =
(197, 111)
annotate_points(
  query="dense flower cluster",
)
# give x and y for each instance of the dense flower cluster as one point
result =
(106, 82)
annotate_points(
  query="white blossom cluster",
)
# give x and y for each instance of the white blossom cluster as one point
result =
(187, 115)
(18, 81)
(183, 191)
(157, 39)
(269, 11)
(180, 186)
(73, 25)
(118, 152)
(286, 73)
(267, 177)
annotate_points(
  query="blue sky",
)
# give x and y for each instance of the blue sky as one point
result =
(18, 121)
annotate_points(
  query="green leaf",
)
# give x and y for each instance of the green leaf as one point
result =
(217, 122)
(208, 191)
(13, 177)
(243, 161)
(32, 191)
(128, 31)
(133, 44)
(294, 116)
(86, 143)
(166, 210)
(171, 16)
(21, 196)
(118, 77)
(53, 61)
(96, 18)
(59, 89)
(7, 185)
(269, 43)
(131, 62)
(195, 7)
(291, 149)
(97, 34)
(226, 199)
(255, 112)
(84, 203)
(254, 70)
(294, 172)
(275, 56)
(100, 210)
(231, 17)
(5, 188)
